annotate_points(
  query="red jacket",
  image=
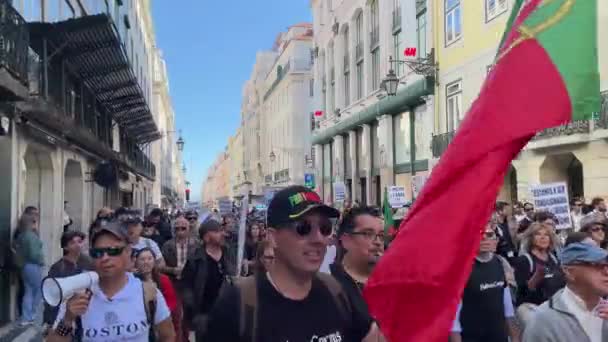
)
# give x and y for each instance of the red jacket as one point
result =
(166, 288)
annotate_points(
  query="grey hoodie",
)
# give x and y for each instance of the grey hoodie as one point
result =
(553, 322)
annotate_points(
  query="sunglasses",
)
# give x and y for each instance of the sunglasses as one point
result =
(594, 265)
(97, 253)
(192, 218)
(179, 229)
(304, 228)
(528, 209)
(597, 229)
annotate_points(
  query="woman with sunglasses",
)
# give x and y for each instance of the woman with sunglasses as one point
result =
(147, 271)
(29, 248)
(594, 225)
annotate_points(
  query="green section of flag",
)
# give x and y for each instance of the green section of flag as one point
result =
(514, 13)
(389, 223)
(574, 22)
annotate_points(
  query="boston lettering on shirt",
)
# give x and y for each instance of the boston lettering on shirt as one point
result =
(122, 318)
(315, 318)
(482, 315)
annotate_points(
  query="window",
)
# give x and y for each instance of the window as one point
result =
(494, 8)
(453, 105)
(374, 25)
(346, 69)
(311, 87)
(397, 52)
(421, 34)
(359, 80)
(453, 21)
(346, 89)
(359, 37)
(375, 69)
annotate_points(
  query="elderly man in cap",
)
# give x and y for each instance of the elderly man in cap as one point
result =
(206, 270)
(578, 312)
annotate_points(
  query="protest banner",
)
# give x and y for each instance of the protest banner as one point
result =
(553, 197)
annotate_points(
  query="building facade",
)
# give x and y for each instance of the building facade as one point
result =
(75, 107)
(365, 139)
(468, 36)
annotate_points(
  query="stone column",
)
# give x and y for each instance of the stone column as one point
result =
(527, 166)
(385, 134)
(319, 169)
(338, 158)
(595, 161)
(352, 145)
(367, 162)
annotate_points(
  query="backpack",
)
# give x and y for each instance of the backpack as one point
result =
(149, 291)
(248, 322)
(531, 262)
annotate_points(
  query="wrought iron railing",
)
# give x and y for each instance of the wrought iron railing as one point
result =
(440, 142)
(598, 121)
(14, 41)
(397, 19)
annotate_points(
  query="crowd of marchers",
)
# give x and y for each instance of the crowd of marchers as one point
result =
(304, 267)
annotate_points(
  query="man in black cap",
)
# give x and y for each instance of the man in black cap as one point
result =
(292, 301)
(206, 270)
(120, 306)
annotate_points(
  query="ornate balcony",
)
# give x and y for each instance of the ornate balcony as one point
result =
(440, 142)
(14, 46)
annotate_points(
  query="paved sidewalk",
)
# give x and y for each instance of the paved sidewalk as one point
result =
(14, 333)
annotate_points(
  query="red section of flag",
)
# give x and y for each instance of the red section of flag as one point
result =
(414, 290)
(319, 113)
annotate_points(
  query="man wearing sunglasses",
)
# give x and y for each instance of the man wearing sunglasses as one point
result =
(486, 312)
(292, 301)
(578, 312)
(114, 309)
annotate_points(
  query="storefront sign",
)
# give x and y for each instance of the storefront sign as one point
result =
(553, 198)
(396, 196)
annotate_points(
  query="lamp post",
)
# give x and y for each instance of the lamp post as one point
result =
(180, 142)
(420, 66)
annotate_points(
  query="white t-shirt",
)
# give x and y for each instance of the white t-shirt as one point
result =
(147, 243)
(330, 257)
(123, 318)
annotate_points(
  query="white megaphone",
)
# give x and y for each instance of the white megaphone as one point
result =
(57, 290)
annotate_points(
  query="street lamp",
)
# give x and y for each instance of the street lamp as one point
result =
(180, 142)
(184, 168)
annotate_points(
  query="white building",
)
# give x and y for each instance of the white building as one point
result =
(76, 114)
(363, 138)
(287, 109)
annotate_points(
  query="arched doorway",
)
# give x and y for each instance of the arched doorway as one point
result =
(39, 192)
(73, 193)
(564, 167)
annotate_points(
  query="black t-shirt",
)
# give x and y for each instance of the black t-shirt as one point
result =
(281, 319)
(215, 278)
(352, 288)
(551, 283)
(482, 314)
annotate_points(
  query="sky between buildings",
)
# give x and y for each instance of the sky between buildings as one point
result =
(210, 49)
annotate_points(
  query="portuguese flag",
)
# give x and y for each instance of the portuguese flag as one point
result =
(545, 74)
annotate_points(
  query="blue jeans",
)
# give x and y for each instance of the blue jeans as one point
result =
(32, 297)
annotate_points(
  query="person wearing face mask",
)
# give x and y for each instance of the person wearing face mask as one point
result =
(578, 312)
(292, 301)
(361, 236)
(486, 312)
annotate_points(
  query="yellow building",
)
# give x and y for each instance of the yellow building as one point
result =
(467, 34)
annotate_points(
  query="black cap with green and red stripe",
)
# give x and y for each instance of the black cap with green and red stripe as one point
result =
(291, 203)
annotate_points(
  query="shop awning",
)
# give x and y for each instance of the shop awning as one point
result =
(93, 50)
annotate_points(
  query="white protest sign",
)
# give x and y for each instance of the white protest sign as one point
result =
(339, 191)
(553, 198)
(225, 205)
(396, 196)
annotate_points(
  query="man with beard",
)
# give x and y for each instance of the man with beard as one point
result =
(361, 235)
(292, 301)
(160, 225)
(486, 310)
